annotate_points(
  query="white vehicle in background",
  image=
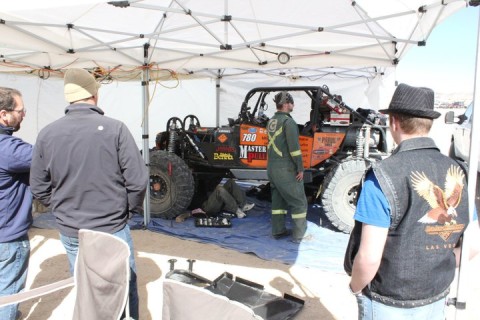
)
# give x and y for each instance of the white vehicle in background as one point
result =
(460, 145)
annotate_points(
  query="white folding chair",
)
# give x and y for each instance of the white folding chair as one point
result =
(101, 279)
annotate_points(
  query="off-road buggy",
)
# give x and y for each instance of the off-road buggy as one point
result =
(337, 144)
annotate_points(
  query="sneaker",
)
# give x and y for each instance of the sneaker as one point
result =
(240, 214)
(283, 234)
(248, 207)
(198, 211)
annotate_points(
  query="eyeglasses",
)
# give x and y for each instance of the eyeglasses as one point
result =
(21, 111)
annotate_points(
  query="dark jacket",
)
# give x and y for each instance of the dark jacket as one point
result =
(15, 195)
(87, 168)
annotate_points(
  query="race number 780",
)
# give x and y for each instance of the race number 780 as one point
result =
(249, 137)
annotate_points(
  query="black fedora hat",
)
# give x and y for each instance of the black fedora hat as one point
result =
(414, 101)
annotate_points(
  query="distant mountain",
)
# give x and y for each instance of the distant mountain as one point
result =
(453, 97)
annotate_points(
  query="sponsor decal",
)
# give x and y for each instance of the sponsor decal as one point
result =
(228, 149)
(321, 151)
(328, 141)
(252, 130)
(222, 156)
(223, 131)
(249, 137)
(222, 138)
(253, 153)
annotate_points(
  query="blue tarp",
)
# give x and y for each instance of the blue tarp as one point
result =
(325, 250)
(252, 234)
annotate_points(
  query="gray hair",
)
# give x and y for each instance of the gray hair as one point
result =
(7, 98)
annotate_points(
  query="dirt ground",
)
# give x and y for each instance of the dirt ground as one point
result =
(326, 294)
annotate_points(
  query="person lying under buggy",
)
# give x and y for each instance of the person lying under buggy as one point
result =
(228, 197)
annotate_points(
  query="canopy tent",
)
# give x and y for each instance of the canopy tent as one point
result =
(151, 39)
(176, 39)
(168, 38)
(182, 38)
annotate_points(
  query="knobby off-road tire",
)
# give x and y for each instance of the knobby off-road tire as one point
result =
(171, 185)
(340, 189)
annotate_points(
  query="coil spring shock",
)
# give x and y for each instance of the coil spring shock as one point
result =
(172, 138)
(360, 141)
(366, 149)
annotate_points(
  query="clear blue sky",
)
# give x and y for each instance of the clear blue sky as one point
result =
(447, 63)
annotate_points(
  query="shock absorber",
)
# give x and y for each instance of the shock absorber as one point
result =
(360, 142)
(366, 149)
(172, 138)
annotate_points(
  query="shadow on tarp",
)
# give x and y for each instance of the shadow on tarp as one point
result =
(252, 234)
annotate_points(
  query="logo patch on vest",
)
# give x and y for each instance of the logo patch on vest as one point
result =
(443, 202)
(272, 125)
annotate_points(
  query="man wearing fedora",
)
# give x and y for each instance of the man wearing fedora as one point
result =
(87, 168)
(411, 212)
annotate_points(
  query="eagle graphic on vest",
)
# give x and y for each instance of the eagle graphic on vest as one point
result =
(443, 202)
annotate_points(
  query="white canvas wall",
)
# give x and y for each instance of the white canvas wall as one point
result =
(45, 103)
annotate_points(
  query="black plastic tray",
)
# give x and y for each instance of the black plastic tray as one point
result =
(188, 277)
(213, 222)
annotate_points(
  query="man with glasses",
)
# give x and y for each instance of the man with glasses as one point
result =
(15, 200)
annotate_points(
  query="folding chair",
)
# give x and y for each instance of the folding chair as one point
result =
(101, 279)
(183, 301)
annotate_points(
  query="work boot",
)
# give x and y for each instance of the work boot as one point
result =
(282, 235)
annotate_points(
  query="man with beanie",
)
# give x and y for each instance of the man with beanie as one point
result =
(15, 200)
(285, 170)
(88, 170)
(411, 213)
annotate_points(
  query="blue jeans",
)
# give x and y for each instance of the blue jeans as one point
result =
(71, 246)
(372, 310)
(14, 257)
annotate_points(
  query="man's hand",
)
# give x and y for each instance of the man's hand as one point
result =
(299, 176)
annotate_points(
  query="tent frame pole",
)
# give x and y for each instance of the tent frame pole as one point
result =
(464, 272)
(145, 137)
(217, 97)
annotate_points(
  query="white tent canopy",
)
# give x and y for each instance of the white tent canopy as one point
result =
(168, 39)
(182, 38)
(174, 39)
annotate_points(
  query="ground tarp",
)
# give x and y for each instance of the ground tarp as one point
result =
(252, 234)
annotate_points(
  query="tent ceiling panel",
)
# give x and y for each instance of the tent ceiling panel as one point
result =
(189, 35)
